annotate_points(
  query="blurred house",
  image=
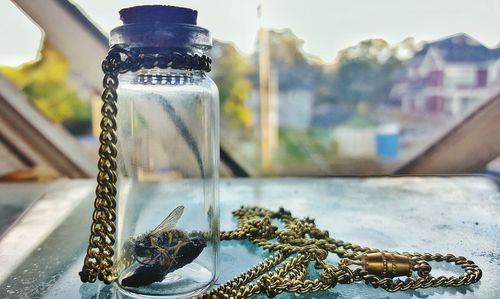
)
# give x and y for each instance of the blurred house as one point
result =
(355, 138)
(295, 108)
(450, 76)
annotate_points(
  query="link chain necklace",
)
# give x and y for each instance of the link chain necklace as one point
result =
(294, 247)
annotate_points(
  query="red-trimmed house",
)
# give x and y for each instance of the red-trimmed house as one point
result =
(449, 76)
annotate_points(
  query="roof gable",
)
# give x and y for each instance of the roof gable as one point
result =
(460, 48)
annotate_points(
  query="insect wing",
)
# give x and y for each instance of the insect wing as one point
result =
(149, 261)
(169, 222)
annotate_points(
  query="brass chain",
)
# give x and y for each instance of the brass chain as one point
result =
(98, 262)
(294, 247)
(300, 243)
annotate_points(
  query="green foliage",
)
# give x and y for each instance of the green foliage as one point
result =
(361, 74)
(45, 83)
(364, 73)
(286, 48)
(362, 81)
(297, 145)
(289, 149)
(296, 69)
(231, 71)
(235, 107)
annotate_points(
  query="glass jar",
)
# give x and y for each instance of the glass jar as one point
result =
(167, 234)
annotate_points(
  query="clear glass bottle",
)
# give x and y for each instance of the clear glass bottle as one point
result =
(168, 157)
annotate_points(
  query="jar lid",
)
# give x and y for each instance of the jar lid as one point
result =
(160, 26)
(158, 13)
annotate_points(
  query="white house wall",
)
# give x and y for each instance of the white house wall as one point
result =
(295, 108)
(460, 75)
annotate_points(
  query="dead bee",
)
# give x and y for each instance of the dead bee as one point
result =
(161, 251)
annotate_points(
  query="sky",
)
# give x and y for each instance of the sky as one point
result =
(325, 26)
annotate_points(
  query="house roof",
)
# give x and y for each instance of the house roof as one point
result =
(461, 48)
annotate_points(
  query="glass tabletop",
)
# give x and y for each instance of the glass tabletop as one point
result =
(457, 215)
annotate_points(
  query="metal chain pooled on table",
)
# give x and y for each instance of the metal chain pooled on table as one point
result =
(297, 245)
(300, 243)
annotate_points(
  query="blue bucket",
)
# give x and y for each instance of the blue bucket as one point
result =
(387, 142)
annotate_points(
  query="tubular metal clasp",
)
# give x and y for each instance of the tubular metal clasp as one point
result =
(386, 264)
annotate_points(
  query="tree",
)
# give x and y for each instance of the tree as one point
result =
(363, 73)
(231, 70)
(286, 48)
(45, 83)
(296, 69)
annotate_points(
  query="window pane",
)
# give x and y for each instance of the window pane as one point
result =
(336, 87)
(44, 84)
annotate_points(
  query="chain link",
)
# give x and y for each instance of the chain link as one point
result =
(294, 248)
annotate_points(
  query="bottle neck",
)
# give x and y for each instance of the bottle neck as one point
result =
(157, 76)
(157, 37)
(165, 50)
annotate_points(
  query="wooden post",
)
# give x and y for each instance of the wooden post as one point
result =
(264, 68)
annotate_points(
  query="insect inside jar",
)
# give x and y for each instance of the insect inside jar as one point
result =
(161, 251)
